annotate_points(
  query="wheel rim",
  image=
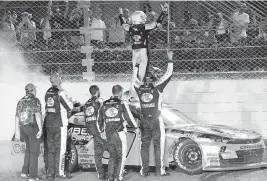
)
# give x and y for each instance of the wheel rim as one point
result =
(191, 156)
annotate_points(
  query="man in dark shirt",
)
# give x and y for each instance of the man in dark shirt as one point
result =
(152, 125)
(91, 108)
(114, 115)
(29, 123)
(139, 31)
(58, 108)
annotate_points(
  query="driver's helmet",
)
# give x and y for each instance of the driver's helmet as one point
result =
(138, 17)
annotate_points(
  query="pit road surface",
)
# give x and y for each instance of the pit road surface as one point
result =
(244, 175)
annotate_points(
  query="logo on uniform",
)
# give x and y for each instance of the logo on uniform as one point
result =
(146, 97)
(89, 111)
(16, 148)
(111, 112)
(23, 116)
(50, 102)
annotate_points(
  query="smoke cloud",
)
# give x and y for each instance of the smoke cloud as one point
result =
(14, 75)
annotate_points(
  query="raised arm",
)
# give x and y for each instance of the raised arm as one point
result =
(124, 25)
(163, 81)
(162, 15)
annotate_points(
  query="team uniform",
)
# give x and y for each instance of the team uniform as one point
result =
(58, 105)
(91, 108)
(26, 108)
(152, 125)
(139, 34)
(114, 115)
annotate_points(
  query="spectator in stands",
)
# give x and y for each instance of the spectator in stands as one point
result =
(208, 29)
(240, 24)
(262, 30)
(189, 36)
(221, 25)
(8, 25)
(98, 36)
(27, 38)
(59, 21)
(45, 23)
(126, 18)
(116, 33)
(76, 21)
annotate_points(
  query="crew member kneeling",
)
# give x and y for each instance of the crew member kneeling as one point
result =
(152, 126)
(114, 115)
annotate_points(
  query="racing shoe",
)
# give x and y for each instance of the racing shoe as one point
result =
(36, 179)
(101, 177)
(67, 176)
(23, 175)
(145, 174)
(165, 174)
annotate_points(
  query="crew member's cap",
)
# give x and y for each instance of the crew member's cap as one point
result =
(29, 87)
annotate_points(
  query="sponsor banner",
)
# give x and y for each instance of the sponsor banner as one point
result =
(19, 148)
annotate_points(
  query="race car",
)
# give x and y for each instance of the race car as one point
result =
(190, 146)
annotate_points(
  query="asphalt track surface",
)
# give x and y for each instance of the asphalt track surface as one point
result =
(133, 175)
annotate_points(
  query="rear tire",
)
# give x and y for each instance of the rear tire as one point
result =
(188, 157)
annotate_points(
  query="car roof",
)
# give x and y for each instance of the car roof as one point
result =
(171, 115)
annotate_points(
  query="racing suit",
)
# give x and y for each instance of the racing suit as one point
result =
(114, 115)
(152, 125)
(58, 105)
(91, 108)
(139, 34)
(26, 108)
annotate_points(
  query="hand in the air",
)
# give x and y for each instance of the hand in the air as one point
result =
(165, 7)
(138, 61)
(170, 55)
(120, 10)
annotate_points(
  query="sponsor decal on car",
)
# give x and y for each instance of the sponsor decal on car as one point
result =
(78, 131)
(214, 162)
(246, 147)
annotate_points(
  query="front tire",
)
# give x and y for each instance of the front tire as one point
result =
(72, 157)
(188, 157)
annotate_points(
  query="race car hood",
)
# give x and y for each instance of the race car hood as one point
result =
(216, 130)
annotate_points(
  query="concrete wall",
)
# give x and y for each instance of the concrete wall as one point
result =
(238, 103)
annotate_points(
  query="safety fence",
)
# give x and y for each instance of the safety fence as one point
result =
(207, 40)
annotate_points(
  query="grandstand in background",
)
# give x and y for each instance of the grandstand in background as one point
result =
(196, 56)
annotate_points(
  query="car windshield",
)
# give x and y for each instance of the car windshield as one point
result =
(173, 117)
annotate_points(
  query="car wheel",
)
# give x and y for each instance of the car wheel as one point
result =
(73, 157)
(188, 157)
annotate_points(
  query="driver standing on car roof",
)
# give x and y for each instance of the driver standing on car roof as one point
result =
(152, 126)
(29, 124)
(91, 108)
(114, 115)
(58, 108)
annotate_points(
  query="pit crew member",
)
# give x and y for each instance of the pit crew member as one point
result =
(139, 31)
(91, 108)
(58, 107)
(29, 124)
(150, 95)
(114, 115)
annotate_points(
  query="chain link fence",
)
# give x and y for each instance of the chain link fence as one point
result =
(210, 39)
